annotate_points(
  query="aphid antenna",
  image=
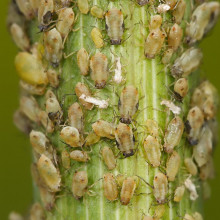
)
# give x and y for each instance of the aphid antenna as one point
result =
(145, 181)
(89, 187)
(65, 144)
(69, 55)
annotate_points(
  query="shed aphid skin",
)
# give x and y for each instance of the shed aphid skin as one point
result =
(192, 189)
(83, 6)
(83, 61)
(203, 20)
(91, 139)
(65, 158)
(175, 37)
(49, 173)
(70, 136)
(30, 69)
(155, 22)
(79, 184)
(189, 61)
(118, 71)
(109, 157)
(181, 87)
(32, 89)
(26, 9)
(15, 216)
(191, 166)
(53, 78)
(97, 37)
(114, 25)
(19, 36)
(178, 194)
(152, 150)
(142, 2)
(162, 8)
(104, 129)
(80, 156)
(125, 139)
(99, 67)
(97, 12)
(167, 56)
(197, 216)
(171, 106)
(173, 134)
(128, 103)
(160, 187)
(179, 11)
(37, 212)
(188, 217)
(110, 187)
(47, 198)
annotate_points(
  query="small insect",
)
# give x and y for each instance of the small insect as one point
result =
(173, 134)
(109, 157)
(171, 3)
(37, 212)
(125, 139)
(172, 166)
(82, 89)
(114, 25)
(79, 184)
(71, 136)
(118, 71)
(171, 106)
(207, 171)
(188, 217)
(192, 189)
(104, 129)
(190, 166)
(65, 158)
(167, 56)
(153, 128)
(195, 120)
(91, 139)
(49, 173)
(32, 89)
(181, 88)
(175, 37)
(128, 103)
(155, 22)
(47, 198)
(153, 150)
(97, 12)
(203, 20)
(15, 216)
(83, 6)
(110, 187)
(80, 156)
(97, 37)
(160, 188)
(53, 78)
(197, 216)
(99, 67)
(30, 69)
(178, 194)
(179, 11)
(142, 2)
(159, 212)
(25, 7)
(83, 61)
(187, 63)
(162, 8)
(148, 218)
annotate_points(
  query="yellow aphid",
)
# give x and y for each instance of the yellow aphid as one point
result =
(172, 166)
(152, 150)
(171, 3)
(190, 166)
(83, 6)
(32, 89)
(71, 136)
(53, 78)
(80, 156)
(97, 37)
(91, 139)
(148, 218)
(26, 9)
(154, 43)
(167, 56)
(125, 139)
(99, 67)
(104, 129)
(81, 89)
(188, 217)
(155, 22)
(49, 173)
(65, 157)
(97, 12)
(19, 36)
(197, 216)
(47, 198)
(160, 189)
(79, 184)
(15, 216)
(181, 87)
(30, 69)
(175, 37)
(159, 212)
(128, 103)
(109, 157)
(153, 128)
(127, 190)
(142, 2)
(45, 11)
(188, 62)
(110, 187)
(83, 61)
(178, 194)
(173, 134)
(179, 11)
(37, 212)
(65, 22)
(114, 25)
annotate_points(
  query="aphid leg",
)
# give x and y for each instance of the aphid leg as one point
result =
(144, 181)
(69, 55)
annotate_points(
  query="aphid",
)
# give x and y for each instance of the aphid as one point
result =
(118, 71)
(30, 69)
(53, 78)
(71, 136)
(179, 11)
(181, 87)
(197, 216)
(173, 134)
(49, 173)
(128, 103)
(152, 149)
(32, 89)
(91, 139)
(192, 189)
(195, 120)
(37, 212)
(162, 8)
(47, 198)
(171, 106)
(65, 22)
(80, 156)
(153, 128)
(79, 184)
(203, 20)
(83, 61)
(159, 212)
(172, 166)
(114, 25)
(19, 36)
(125, 139)
(167, 56)
(97, 12)
(97, 37)
(160, 188)
(187, 63)
(53, 46)
(171, 3)
(65, 157)
(104, 129)
(142, 2)
(25, 7)
(175, 37)
(148, 218)
(178, 194)
(120, 179)
(15, 216)
(83, 6)
(155, 22)
(188, 217)
(127, 190)
(207, 171)
(109, 157)
(154, 43)
(110, 187)
(82, 89)
(190, 166)
(99, 67)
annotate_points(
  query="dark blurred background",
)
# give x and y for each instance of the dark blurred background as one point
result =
(15, 179)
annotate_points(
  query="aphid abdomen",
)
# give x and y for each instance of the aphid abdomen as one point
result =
(104, 129)
(83, 61)
(110, 187)
(178, 194)
(80, 156)
(71, 136)
(109, 158)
